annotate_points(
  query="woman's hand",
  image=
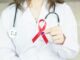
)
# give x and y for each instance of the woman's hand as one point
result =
(57, 35)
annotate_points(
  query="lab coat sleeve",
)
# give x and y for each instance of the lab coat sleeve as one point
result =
(70, 48)
(7, 49)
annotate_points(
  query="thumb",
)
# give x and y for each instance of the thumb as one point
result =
(47, 31)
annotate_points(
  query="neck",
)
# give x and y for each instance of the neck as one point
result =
(36, 3)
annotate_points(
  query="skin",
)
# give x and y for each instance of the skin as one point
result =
(36, 4)
(55, 32)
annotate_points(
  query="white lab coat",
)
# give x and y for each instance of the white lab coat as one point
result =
(22, 47)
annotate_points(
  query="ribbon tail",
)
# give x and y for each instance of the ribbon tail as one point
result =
(45, 38)
(36, 37)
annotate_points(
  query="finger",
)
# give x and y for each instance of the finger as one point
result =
(53, 33)
(56, 37)
(47, 31)
(52, 30)
(59, 41)
(56, 40)
(57, 32)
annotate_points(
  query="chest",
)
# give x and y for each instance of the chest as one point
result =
(27, 28)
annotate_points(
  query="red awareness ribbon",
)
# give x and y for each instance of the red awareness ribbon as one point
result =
(41, 32)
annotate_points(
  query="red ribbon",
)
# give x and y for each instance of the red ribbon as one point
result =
(41, 32)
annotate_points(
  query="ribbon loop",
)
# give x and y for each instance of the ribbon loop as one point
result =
(41, 32)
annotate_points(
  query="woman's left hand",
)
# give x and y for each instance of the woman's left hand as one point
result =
(57, 34)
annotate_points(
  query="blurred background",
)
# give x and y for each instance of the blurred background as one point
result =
(74, 4)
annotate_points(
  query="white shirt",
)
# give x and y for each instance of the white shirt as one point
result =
(26, 28)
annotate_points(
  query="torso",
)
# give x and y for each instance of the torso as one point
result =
(27, 29)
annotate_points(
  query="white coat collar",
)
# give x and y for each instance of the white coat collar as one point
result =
(43, 10)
